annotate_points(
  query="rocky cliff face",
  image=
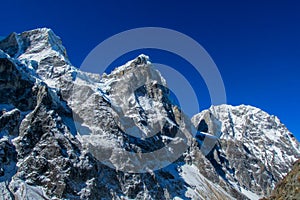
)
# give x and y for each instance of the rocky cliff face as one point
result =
(289, 187)
(68, 134)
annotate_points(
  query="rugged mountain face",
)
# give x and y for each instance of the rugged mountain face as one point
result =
(289, 187)
(255, 149)
(69, 134)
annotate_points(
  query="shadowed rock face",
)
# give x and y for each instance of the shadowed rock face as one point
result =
(56, 113)
(10, 45)
(16, 88)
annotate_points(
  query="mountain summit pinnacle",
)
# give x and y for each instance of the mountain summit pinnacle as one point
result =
(34, 45)
(142, 59)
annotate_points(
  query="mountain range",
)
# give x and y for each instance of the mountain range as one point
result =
(70, 134)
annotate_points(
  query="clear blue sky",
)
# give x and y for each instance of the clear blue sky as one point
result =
(255, 44)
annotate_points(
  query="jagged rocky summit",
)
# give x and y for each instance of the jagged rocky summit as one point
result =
(63, 129)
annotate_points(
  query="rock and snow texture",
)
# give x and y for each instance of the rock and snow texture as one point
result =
(48, 130)
(289, 187)
(255, 149)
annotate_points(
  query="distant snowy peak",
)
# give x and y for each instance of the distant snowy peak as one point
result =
(247, 123)
(234, 118)
(248, 133)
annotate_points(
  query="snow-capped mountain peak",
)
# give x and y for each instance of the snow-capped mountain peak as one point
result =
(140, 60)
(248, 133)
(29, 44)
(40, 50)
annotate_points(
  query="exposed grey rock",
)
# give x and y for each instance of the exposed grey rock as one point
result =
(9, 122)
(10, 45)
(289, 187)
(16, 87)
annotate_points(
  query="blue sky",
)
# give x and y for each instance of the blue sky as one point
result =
(255, 44)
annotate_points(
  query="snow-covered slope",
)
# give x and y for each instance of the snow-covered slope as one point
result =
(67, 133)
